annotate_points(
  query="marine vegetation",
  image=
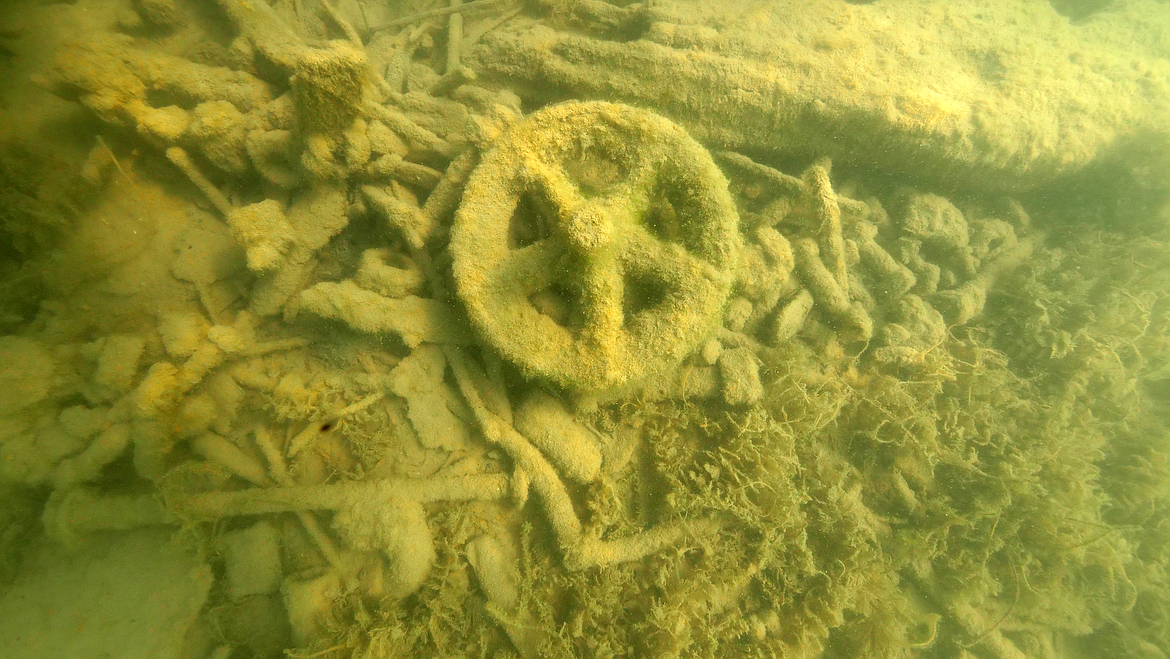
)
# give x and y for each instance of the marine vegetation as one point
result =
(570, 328)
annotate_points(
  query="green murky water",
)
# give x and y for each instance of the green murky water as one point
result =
(575, 328)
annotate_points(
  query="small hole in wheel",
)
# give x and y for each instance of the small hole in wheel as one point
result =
(661, 218)
(642, 293)
(528, 224)
(559, 304)
(594, 171)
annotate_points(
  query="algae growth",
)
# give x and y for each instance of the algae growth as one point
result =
(574, 328)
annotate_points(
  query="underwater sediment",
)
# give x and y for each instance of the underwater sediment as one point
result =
(568, 328)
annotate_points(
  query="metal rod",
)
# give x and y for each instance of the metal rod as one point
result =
(454, 37)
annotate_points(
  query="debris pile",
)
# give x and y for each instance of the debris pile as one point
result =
(433, 371)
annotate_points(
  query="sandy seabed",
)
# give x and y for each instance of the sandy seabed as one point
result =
(569, 328)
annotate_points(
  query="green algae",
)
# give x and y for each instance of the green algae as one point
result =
(1007, 496)
(999, 489)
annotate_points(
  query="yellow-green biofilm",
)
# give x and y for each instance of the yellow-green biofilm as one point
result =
(427, 369)
(596, 245)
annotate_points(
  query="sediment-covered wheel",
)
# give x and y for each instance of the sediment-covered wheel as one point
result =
(595, 245)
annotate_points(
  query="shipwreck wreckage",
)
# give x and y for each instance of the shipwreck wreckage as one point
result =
(565, 328)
